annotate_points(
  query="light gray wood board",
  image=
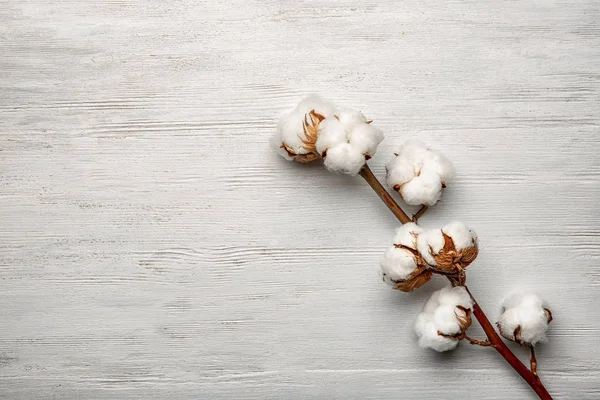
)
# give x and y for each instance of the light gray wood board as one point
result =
(153, 246)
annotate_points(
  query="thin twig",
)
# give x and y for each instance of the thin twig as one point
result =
(419, 213)
(533, 362)
(478, 342)
(389, 201)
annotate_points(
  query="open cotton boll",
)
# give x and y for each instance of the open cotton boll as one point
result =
(344, 158)
(444, 319)
(525, 319)
(419, 174)
(365, 138)
(449, 250)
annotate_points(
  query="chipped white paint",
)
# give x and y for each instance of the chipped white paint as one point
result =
(152, 246)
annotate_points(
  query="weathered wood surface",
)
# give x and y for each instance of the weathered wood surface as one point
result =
(153, 246)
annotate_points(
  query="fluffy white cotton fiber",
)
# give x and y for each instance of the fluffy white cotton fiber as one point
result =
(461, 249)
(344, 138)
(399, 262)
(419, 173)
(447, 312)
(525, 319)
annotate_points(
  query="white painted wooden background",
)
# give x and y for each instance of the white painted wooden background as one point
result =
(152, 246)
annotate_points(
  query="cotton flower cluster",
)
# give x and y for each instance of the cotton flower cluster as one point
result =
(401, 264)
(416, 253)
(444, 319)
(343, 138)
(525, 319)
(419, 174)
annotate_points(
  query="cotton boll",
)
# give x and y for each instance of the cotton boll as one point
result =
(315, 102)
(397, 264)
(429, 243)
(443, 254)
(406, 235)
(344, 158)
(525, 319)
(424, 189)
(447, 312)
(350, 117)
(331, 133)
(419, 173)
(365, 138)
(460, 234)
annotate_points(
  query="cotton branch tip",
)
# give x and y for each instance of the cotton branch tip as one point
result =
(525, 319)
(315, 129)
(419, 174)
(444, 319)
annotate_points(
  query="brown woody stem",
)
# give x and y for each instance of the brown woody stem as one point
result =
(419, 213)
(494, 339)
(389, 201)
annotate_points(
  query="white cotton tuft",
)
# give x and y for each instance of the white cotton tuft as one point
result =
(446, 312)
(344, 158)
(419, 173)
(331, 133)
(461, 235)
(407, 234)
(525, 319)
(397, 264)
(350, 117)
(365, 138)
(429, 243)
(316, 103)
(428, 335)
(425, 186)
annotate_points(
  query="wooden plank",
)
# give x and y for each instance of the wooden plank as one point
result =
(152, 245)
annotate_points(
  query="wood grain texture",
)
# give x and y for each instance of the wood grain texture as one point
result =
(153, 246)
